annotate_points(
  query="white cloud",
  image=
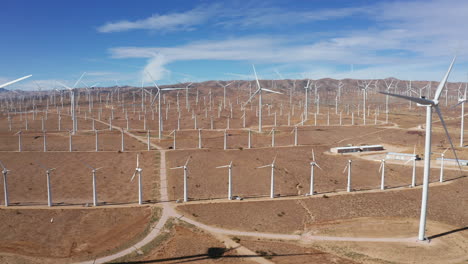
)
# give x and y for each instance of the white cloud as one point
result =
(405, 39)
(228, 16)
(168, 22)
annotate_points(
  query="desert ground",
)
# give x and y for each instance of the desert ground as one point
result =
(365, 225)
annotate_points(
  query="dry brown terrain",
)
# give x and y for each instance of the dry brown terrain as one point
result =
(68, 235)
(75, 234)
(71, 181)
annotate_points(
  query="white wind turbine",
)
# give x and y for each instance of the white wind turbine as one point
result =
(306, 102)
(382, 171)
(49, 191)
(224, 94)
(94, 170)
(348, 167)
(5, 184)
(185, 178)
(462, 100)
(229, 166)
(413, 158)
(442, 159)
(313, 164)
(158, 95)
(72, 103)
(138, 171)
(365, 89)
(259, 92)
(272, 181)
(429, 104)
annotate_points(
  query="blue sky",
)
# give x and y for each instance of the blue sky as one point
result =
(215, 40)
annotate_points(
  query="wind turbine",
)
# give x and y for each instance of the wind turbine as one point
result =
(72, 103)
(462, 100)
(313, 164)
(5, 185)
(93, 170)
(382, 170)
(442, 159)
(364, 93)
(429, 104)
(306, 103)
(413, 178)
(348, 167)
(259, 92)
(49, 191)
(158, 95)
(272, 182)
(229, 166)
(138, 171)
(185, 179)
(224, 94)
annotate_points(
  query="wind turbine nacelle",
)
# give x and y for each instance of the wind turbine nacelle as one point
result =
(418, 104)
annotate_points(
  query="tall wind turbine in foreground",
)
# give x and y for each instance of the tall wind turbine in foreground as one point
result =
(259, 92)
(429, 104)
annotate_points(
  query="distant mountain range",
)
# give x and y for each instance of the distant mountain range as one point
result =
(3, 90)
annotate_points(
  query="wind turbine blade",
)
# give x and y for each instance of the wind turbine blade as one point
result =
(459, 103)
(3, 166)
(256, 77)
(154, 98)
(316, 164)
(410, 98)
(344, 170)
(180, 167)
(151, 77)
(138, 161)
(133, 176)
(270, 91)
(172, 89)
(187, 161)
(225, 166)
(274, 160)
(147, 91)
(79, 79)
(86, 164)
(445, 150)
(408, 161)
(14, 81)
(444, 81)
(447, 134)
(65, 86)
(313, 155)
(264, 166)
(230, 164)
(380, 168)
(251, 97)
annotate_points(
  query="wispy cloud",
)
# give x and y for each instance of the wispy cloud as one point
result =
(167, 22)
(404, 38)
(228, 16)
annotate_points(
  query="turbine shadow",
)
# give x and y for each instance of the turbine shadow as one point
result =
(448, 233)
(212, 253)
